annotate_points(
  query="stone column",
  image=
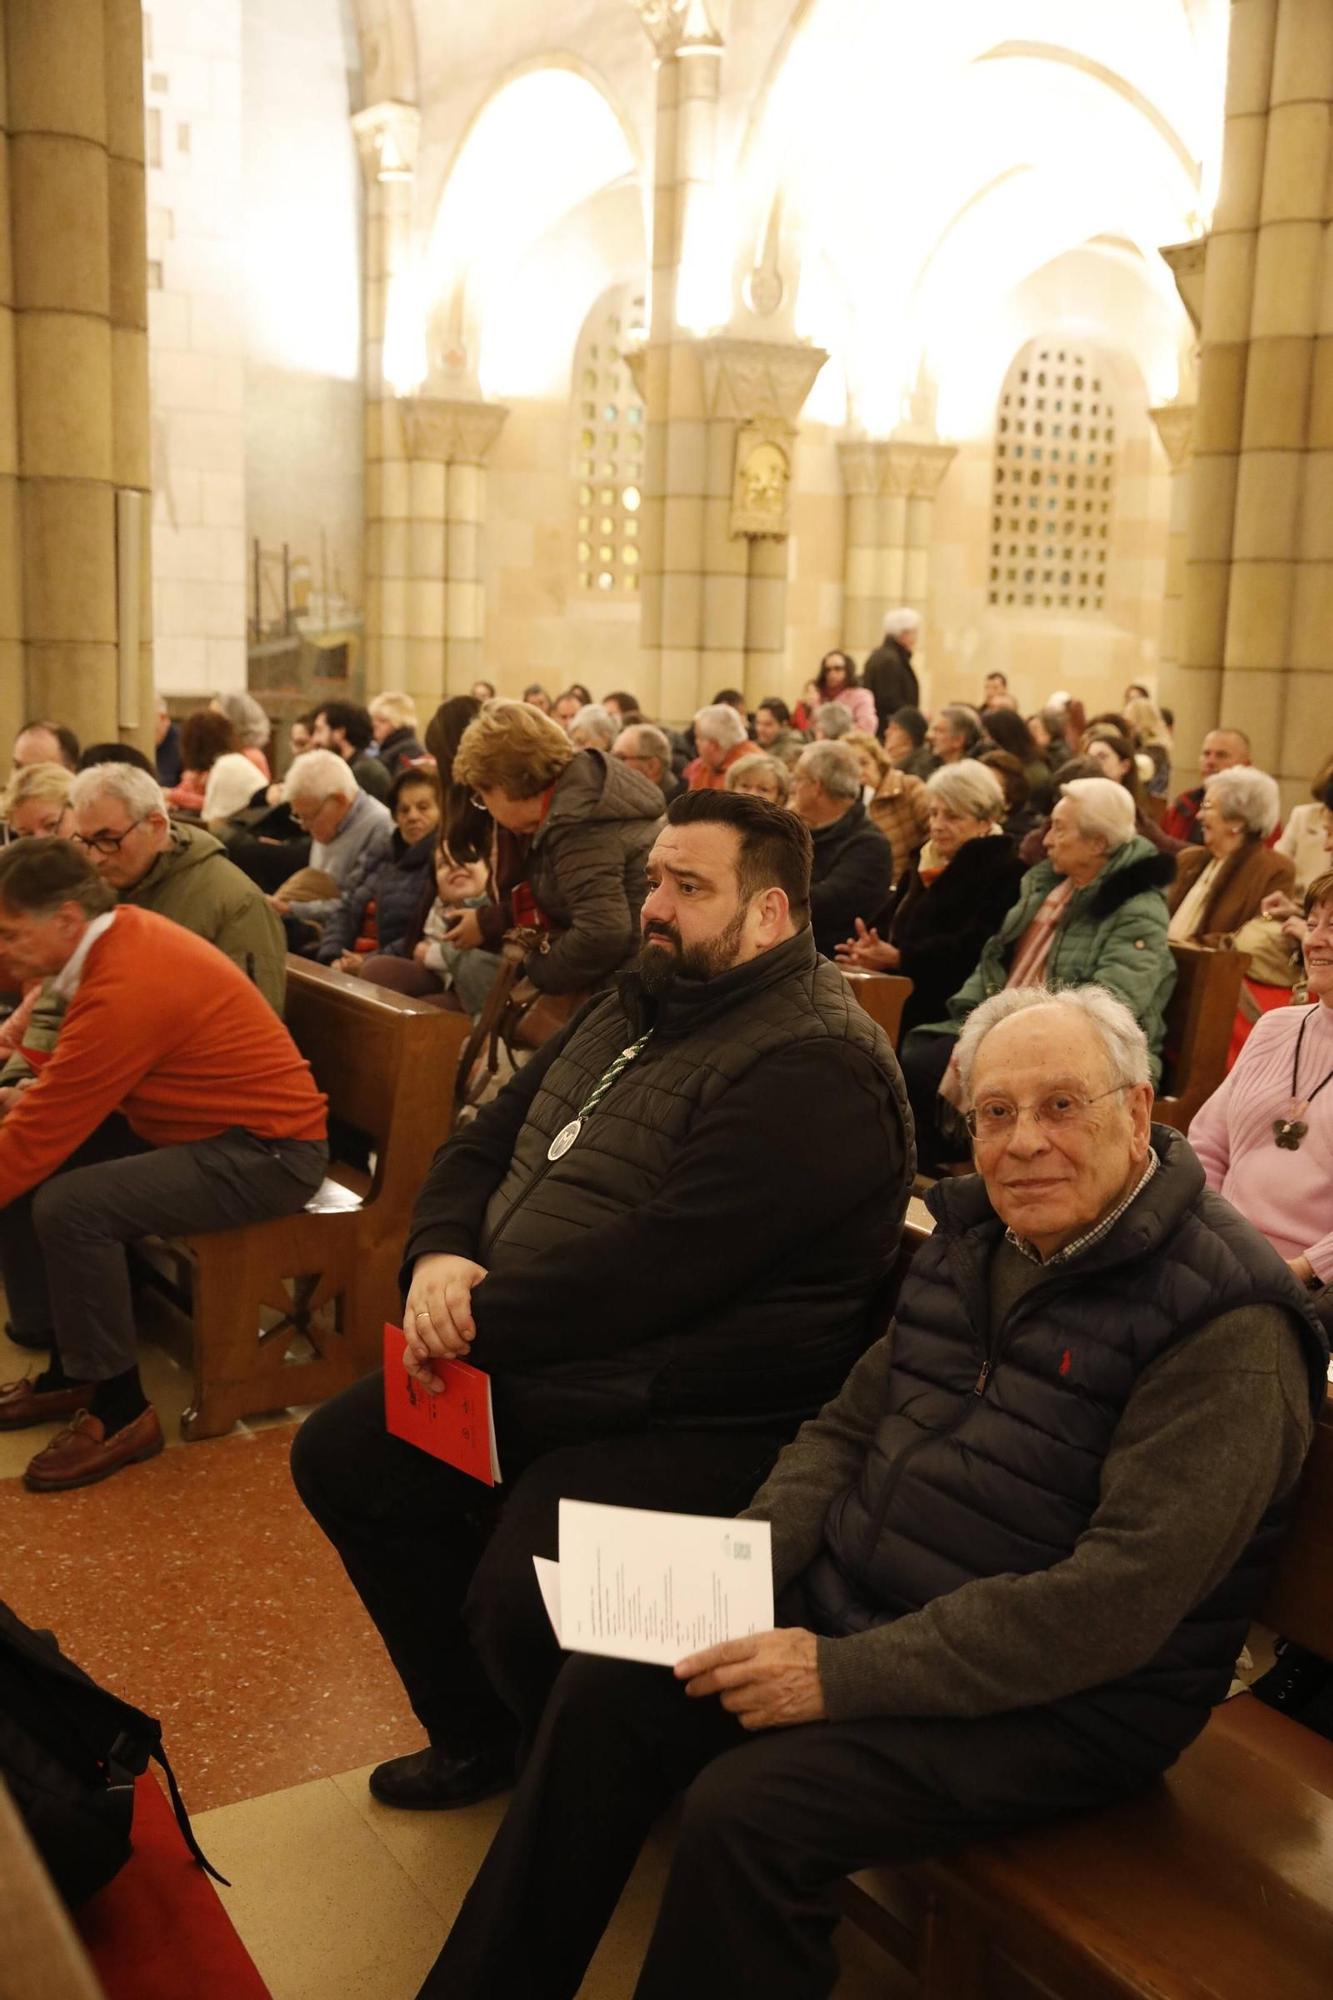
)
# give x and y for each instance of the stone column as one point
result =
(74, 119)
(386, 136)
(1228, 292)
(13, 700)
(1174, 424)
(679, 476)
(1281, 512)
(447, 444)
(891, 484)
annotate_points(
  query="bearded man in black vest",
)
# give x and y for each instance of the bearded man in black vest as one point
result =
(1015, 1558)
(666, 1241)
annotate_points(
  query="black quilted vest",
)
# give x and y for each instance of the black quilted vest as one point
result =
(988, 1461)
(766, 1357)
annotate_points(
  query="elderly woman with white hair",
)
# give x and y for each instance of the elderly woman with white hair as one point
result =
(952, 897)
(1220, 886)
(1093, 912)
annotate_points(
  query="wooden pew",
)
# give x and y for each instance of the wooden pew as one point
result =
(1214, 1884)
(1199, 1020)
(882, 994)
(289, 1311)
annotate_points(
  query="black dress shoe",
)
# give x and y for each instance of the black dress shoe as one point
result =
(435, 1779)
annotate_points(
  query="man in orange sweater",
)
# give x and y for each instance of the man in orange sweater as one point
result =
(174, 1100)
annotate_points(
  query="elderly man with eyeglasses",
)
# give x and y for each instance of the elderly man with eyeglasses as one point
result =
(178, 871)
(1015, 1559)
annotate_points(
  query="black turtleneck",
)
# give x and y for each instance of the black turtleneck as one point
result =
(753, 1173)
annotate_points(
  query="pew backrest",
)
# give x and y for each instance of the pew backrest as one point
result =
(1199, 1023)
(378, 1056)
(882, 994)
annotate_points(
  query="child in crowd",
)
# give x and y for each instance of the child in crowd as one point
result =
(470, 974)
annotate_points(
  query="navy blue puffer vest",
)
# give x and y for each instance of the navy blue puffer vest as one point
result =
(988, 1461)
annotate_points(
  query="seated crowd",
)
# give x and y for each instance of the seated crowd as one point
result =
(1023, 1495)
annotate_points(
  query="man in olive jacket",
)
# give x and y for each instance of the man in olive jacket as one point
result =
(665, 1242)
(178, 871)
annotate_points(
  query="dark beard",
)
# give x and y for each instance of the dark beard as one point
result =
(664, 959)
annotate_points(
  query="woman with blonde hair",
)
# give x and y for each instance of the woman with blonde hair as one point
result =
(895, 800)
(572, 834)
(764, 776)
(36, 805)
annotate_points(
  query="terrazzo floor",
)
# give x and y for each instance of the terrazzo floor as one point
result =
(196, 1586)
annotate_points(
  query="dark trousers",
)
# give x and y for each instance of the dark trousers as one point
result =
(444, 1565)
(923, 1060)
(62, 1247)
(771, 1823)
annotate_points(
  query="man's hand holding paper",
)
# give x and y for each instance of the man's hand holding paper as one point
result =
(769, 1681)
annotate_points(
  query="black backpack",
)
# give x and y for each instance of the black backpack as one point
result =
(70, 1753)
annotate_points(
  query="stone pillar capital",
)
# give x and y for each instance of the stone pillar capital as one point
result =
(386, 137)
(748, 379)
(1186, 261)
(1174, 423)
(906, 468)
(678, 27)
(451, 432)
(917, 467)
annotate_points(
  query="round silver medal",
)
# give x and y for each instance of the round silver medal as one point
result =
(564, 1139)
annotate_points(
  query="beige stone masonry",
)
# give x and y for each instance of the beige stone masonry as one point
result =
(448, 442)
(890, 484)
(73, 362)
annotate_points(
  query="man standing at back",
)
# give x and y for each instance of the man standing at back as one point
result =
(632, 1243)
(888, 672)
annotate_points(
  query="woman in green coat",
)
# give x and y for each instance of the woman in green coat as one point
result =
(1093, 913)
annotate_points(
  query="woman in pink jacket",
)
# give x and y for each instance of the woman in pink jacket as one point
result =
(1265, 1138)
(837, 681)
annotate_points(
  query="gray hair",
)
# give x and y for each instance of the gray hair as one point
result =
(1123, 1041)
(835, 766)
(649, 741)
(963, 721)
(138, 791)
(833, 720)
(1247, 795)
(246, 717)
(904, 619)
(596, 722)
(761, 761)
(720, 724)
(319, 774)
(1103, 810)
(968, 787)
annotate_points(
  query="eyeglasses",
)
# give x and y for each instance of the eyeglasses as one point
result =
(996, 1120)
(107, 843)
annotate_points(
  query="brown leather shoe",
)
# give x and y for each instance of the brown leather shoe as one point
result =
(21, 1404)
(81, 1454)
